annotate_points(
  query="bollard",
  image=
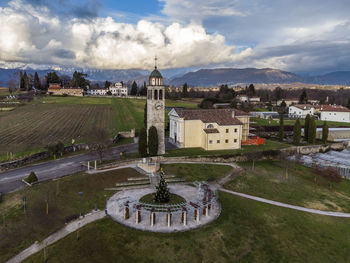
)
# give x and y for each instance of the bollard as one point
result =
(184, 218)
(88, 165)
(95, 165)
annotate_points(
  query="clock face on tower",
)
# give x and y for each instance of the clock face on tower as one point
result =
(158, 106)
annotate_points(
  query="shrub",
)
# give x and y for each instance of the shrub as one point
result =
(32, 178)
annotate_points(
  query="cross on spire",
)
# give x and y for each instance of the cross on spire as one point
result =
(155, 62)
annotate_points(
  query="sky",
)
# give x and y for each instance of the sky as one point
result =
(305, 37)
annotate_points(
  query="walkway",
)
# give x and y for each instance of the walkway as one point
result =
(300, 208)
(69, 228)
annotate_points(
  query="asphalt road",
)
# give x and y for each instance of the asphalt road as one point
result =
(12, 180)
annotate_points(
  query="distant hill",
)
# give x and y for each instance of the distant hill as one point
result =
(338, 77)
(213, 77)
(202, 77)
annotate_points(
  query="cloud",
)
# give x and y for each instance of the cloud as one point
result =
(34, 34)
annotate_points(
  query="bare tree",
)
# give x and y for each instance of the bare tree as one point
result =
(99, 140)
(12, 85)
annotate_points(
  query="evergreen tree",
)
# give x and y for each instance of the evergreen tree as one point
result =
(297, 133)
(143, 142)
(312, 131)
(107, 84)
(162, 194)
(306, 127)
(37, 84)
(26, 82)
(134, 89)
(152, 141)
(145, 116)
(184, 90)
(251, 90)
(143, 91)
(52, 77)
(325, 132)
(21, 81)
(281, 131)
(278, 93)
(79, 80)
(303, 97)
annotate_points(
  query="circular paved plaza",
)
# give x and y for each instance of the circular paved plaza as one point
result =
(200, 208)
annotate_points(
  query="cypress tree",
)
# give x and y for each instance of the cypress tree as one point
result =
(306, 127)
(184, 90)
(297, 133)
(281, 131)
(26, 81)
(134, 89)
(325, 132)
(152, 141)
(21, 82)
(143, 142)
(145, 115)
(37, 84)
(312, 131)
(162, 194)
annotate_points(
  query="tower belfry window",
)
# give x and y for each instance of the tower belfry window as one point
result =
(155, 94)
(160, 94)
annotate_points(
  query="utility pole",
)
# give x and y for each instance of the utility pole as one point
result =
(81, 194)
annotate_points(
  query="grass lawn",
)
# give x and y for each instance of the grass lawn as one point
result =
(269, 145)
(197, 172)
(246, 231)
(19, 230)
(269, 180)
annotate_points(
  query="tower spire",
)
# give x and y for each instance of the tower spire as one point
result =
(155, 61)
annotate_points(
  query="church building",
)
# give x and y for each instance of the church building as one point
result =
(212, 129)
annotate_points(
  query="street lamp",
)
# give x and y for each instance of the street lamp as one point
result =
(81, 194)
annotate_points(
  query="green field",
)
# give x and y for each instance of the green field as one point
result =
(19, 230)
(197, 172)
(246, 231)
(297, 185)
(269, 145)
(31, 127)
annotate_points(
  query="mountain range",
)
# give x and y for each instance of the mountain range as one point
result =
(202, 77)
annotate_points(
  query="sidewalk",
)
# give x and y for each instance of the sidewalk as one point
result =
(66, 230)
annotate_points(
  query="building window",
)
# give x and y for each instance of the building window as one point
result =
(155, 94)
(210, 126)
(210, 141)
(226, 141)
(235, 140)
(235, 130)
(226, 130)
(160, 94)
(218, 141)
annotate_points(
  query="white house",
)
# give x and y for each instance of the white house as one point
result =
(119, 89)
(242, 98)
(97, 91)
(334, 113)
(300, 110)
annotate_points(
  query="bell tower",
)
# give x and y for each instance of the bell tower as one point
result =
(156, 106)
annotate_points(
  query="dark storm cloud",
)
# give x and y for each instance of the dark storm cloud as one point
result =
(63, 53)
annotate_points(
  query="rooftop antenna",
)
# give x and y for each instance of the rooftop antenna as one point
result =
(155, 62)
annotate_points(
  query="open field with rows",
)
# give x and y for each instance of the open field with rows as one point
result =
(35, 126)
(31, 127)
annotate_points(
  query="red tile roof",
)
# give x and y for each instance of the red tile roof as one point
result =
(335, 108)
(219, 116)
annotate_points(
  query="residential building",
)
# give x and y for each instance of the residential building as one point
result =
(119, 89)
(97, 91)
(212, 129)
(242, 98)
(254, 99)
(334, 113)
(57, 89)
(300, 110)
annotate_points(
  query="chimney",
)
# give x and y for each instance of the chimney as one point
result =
(233, 113)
